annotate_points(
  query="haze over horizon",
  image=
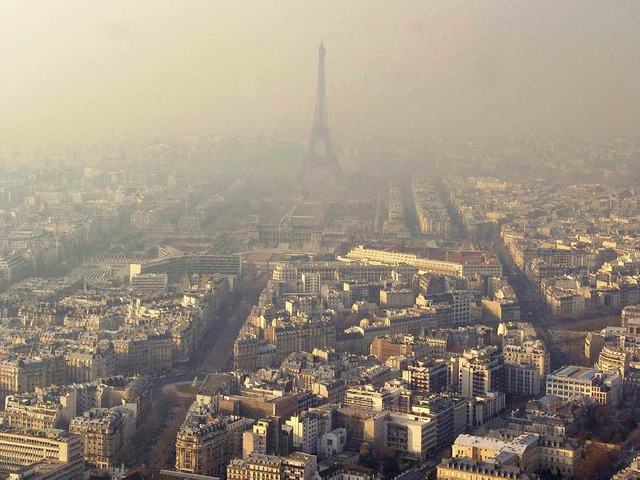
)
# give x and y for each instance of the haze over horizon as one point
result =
(75, 68)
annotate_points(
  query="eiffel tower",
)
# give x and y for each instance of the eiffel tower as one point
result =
(320, 168)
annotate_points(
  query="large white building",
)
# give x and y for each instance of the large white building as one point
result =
(307, 429)
(488, 266)
(486, 458)
(410, 436)
(571, 382)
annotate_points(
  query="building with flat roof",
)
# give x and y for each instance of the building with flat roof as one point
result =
(146, 283)
(24, 448)
(572, 382)
(466, 265)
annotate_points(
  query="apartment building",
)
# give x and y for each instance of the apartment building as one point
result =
(397, 298)
(145, 354)
(202, 449)
(528, 452)
(469, 469)
(361, 425)
(38, 412)
(22, 375)
(396, 398)
(480, 372)
(428, 376)
(103, 434)
(613, 358)
(525, 367)
(297, 466)
(447, 412)
(207, 440)
(88, 366)
(411, 437)
(300, 335)
(307, 429)
(332, 443)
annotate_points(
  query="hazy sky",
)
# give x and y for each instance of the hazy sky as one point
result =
(249, 66)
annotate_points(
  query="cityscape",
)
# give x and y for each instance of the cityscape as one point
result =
(236, 306)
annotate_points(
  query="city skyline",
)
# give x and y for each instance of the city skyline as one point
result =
(433, 275)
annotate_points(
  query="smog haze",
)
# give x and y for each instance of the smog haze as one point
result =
(72, 68)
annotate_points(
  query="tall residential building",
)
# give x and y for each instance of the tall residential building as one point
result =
(300, 335)
(480, 372)
(307, 428)
(509, 456)
(23, 375)
(525, 367)
(428, 376)
(206, 440)
(38, 412)
(593, 345)
(103, 434)
(256, 440)
(202, 448)
(449, 415)
(267, 437)
(411, 437)
(390, 398)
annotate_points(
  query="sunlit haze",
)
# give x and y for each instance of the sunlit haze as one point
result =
(74, 68)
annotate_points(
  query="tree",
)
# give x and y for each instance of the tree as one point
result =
(597, 463)
(390, 467)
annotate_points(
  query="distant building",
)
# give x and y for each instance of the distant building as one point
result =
(391, 298)
(147, 283)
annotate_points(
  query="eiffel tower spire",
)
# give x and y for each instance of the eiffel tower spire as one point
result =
(321, 160)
